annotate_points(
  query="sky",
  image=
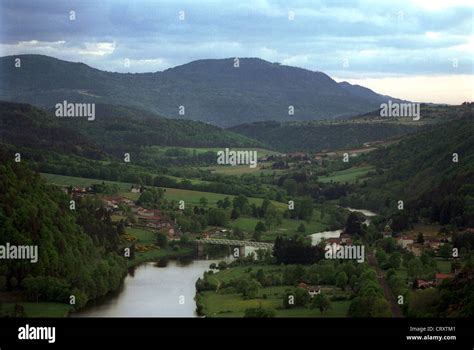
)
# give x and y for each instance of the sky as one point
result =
(420, 50)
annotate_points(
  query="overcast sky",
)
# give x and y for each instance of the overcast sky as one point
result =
(420, 50)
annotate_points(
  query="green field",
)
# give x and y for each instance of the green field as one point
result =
(444, 266)
(189, 196)
(288, 226)
(232, 305)
(348, 175)
(161, 150)
(143, 236)
(62, 180)
(193, 197)
(39, 309)
(243, 169)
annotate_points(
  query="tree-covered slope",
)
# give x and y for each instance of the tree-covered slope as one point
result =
(432, 172)
(77, 250)
(318, 136)
(116, 129)
(211, 90)
(25, 126)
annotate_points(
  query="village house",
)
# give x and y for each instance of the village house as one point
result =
(404, 241)
(440, 277)
(312, 290)
(345, 239)
(333, 241)
(422, 284)
(79, 191)
(112, 202)
(153, 218)
(432, 243)
(415, 248)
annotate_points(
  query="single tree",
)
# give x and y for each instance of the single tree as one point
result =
(321, 302)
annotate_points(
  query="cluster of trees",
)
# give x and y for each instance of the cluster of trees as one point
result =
(267, 211)
(299, 183)
(392, 256)
(303, 209)
(151, 198)
(259, 312)
(369, 300)
(78, 249)
(296, 250)
(299, 297)
(104, 188)
(357, 279)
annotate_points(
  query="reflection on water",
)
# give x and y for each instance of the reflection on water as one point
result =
(165, 288)
(156, 289)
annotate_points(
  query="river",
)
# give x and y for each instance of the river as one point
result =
(164, 289)
(153, 291)
(167, 289)
(318, 236)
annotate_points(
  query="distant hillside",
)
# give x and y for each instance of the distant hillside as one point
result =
(420, 171)
(116, 129)
(210, 90)
(318, 136)
(429, 113)
(25, 126)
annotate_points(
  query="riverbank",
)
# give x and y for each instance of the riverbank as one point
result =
(17, 301)
(162, 253)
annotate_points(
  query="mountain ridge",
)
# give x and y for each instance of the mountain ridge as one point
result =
(210, 90)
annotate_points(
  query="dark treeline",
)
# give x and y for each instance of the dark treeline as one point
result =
(296, 250)
(78, 249)
(319, 136)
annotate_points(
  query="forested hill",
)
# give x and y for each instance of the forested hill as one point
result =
(115, 129)
(211, 90)
(318, 136)
(25, 126)
(78, 252)
(422, 171)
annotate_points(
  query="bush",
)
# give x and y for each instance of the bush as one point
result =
(259, 312)
(47, 289)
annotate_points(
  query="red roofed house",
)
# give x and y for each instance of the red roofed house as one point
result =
(440, 277)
